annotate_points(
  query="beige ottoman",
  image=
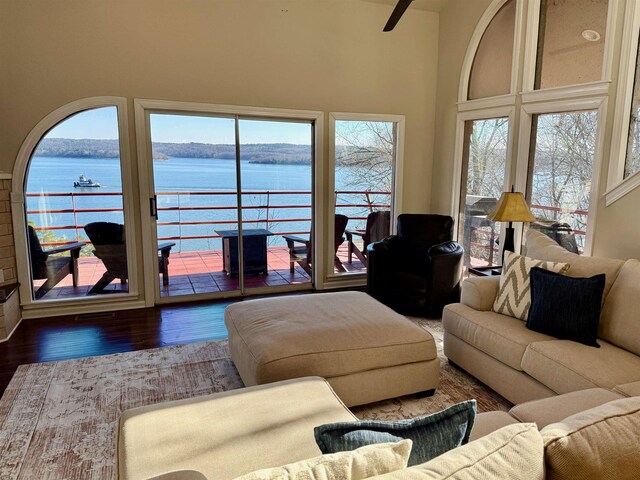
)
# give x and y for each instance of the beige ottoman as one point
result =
(364, 349)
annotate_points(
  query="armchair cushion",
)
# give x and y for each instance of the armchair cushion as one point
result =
(444, 248)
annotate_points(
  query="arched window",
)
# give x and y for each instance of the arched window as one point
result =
(492, 64)
(550, 146)
(72, 218)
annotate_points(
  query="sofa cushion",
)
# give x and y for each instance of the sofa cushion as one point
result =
(432, 435)
(565, 307)
(488, 422)
(514, 297)
(479, 293)
(364, 462)
(628, 389)
(538, 245)
(513, 452)
(620, 321)
(500, 336)
(598, 443)
(230, 433)
(554, 409)
(566, 366)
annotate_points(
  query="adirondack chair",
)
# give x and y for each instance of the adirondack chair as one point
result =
(378, 227)
(47, 264)
(109, 242)
(303, 254)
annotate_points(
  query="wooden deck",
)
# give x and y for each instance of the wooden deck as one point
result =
(196, 273)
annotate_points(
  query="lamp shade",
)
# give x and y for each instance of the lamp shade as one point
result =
(511, 207)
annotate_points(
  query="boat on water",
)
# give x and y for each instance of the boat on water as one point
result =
(85, 182)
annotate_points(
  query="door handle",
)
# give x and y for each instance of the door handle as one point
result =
(153, 207)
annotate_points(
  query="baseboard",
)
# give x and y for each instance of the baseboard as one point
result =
(12, 330)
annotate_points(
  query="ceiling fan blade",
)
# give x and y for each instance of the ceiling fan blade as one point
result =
(396, 14)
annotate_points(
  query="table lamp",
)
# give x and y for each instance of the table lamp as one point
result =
(511, 207)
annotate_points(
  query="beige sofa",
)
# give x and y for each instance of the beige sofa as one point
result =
(523, 365)
(228, 434)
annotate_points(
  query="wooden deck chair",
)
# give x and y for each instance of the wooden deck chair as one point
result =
(378, 227)
(109, 242)
(303, 254)
(47, 264)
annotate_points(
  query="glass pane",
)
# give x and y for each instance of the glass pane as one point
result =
(485, 160)
(560, 175)
(364, 172)
(194, 170)
(74, 207)
(276, 168)
(632, 163)
(571, 42)
(491, 70)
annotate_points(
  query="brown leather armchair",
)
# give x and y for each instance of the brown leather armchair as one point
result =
(417, 271)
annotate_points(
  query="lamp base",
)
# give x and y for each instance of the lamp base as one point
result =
(508, 241)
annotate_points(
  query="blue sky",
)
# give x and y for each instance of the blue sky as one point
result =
(101, 123)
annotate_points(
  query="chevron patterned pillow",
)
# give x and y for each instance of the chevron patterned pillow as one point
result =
(514, 296)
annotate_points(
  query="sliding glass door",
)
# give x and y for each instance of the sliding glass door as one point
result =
(231, 204)
(277, 197)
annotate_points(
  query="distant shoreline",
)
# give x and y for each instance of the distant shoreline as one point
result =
(267, 153)
(258, 153)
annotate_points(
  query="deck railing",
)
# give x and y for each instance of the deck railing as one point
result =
(267, 207)
(491, 248)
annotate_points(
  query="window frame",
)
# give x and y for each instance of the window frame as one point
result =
(617, 184)
(144, 107)
(526, 102)
(599, 104)
(599, 87)
(474, 43)
(470, 116)
(358, 278)
(33, 308)
(460, 149)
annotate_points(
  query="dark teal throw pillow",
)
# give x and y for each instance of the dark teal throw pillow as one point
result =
(432, 435)
(567, 308)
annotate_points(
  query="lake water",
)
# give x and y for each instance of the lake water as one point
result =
(49, 175)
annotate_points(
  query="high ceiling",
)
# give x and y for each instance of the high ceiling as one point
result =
(428, 5)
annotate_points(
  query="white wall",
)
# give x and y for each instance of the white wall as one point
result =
(328, 55)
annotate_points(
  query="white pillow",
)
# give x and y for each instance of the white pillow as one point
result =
(364, 462)
(514, 295)
(514, 452)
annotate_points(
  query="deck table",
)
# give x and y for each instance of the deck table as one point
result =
(254, 241)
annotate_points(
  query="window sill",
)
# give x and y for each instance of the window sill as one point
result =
(621, 189)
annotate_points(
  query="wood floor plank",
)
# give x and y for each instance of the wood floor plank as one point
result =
(73, 336)
(62, 338)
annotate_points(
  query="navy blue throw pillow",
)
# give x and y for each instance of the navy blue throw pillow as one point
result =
(565, 307)
(432, 435)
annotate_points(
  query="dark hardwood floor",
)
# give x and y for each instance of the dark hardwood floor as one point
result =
(76, 336)
(62, 338)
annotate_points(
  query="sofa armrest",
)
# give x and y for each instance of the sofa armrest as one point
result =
(479, 293)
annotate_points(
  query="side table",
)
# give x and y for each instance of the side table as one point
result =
(486, 271)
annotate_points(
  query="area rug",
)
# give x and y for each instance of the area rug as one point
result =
(58, 420)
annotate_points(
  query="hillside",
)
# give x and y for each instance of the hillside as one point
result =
(280, 153)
